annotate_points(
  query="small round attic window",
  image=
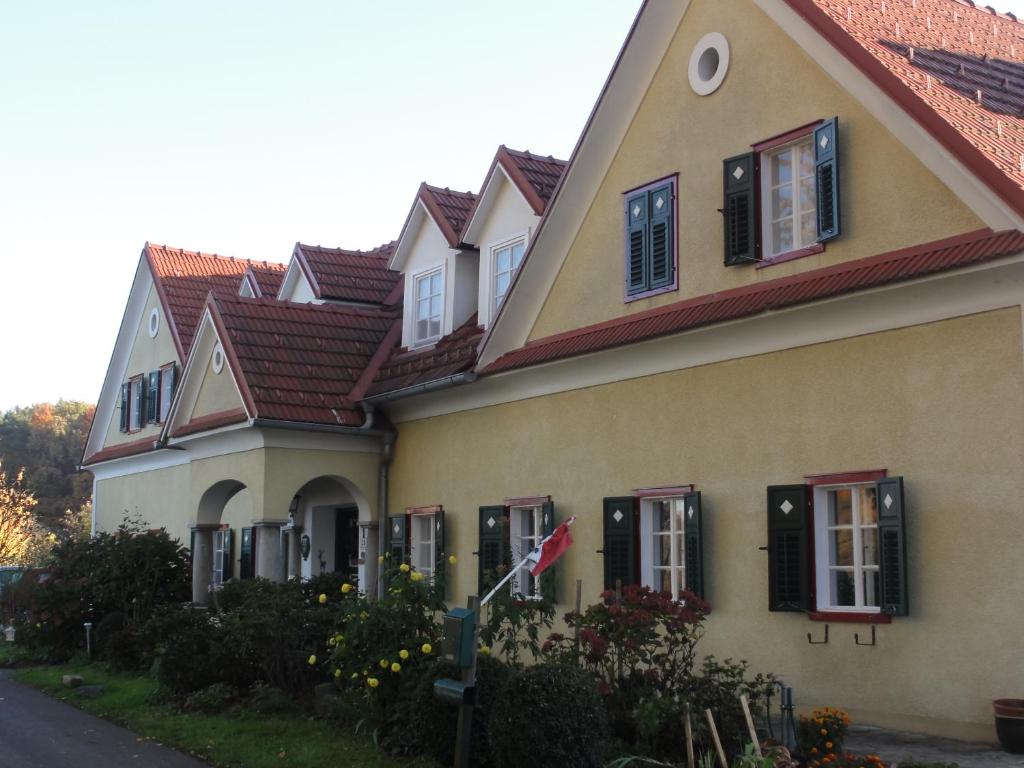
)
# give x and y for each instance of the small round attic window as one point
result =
(709, 63)
(154, 323)
(218, 359)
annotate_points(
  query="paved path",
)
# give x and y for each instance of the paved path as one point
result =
(37, 731)
(897, 745)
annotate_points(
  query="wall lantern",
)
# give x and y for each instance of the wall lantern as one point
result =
(304, 545)
(294, 507)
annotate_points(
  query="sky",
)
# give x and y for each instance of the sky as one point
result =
(242, 126)
(239, 127)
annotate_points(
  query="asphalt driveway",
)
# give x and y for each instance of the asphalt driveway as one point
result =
(37, 731)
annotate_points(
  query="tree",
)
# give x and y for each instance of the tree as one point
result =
(18, 526)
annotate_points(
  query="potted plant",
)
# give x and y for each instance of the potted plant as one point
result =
(1010, 724)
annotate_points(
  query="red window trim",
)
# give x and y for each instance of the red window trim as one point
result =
(791, 255)
(841, 478)
(431, 509)
(662, 491)
(785, 138)
(851, 617)
(526, 501)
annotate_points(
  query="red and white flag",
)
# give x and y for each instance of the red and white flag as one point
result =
(551, 548)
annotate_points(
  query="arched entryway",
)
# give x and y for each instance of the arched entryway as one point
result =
(213, 539)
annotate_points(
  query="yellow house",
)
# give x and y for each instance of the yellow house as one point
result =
(761, 335)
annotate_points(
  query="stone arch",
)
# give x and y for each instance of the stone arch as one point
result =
(208, 519)
(214, 499)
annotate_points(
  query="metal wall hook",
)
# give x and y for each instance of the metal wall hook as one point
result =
(818, 642)
(856, 637)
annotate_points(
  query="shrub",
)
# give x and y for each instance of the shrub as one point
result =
(513, 625)
(267, 700)
(822, 732)
(211, 700)
(191, 653)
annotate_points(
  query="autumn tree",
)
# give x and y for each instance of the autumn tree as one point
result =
(18, 528)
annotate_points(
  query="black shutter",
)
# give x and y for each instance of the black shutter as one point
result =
(637, 244)
(493, 546)
(892, 537)
(440, 562)
(789, 586)
(826, 167)
(662, 270)
(398, 538)
(740, 209)
(226, 556)
(619, 541)
(245, 565)
(548, 586)
(125, 406)
(153, 398)
(693, 544)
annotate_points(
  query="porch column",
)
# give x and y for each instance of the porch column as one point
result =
(202, 564)
(268, 551)
(294, 539)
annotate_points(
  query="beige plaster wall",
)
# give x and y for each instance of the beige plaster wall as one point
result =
(148, 354)
(940, 404)
(288, 470)
(158, 497)
(889, 200)
(217, 393)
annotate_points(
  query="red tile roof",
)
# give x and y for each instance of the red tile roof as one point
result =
(450, 209)
(184, 279)
(299, 362)
(344, 275)
(896, 266)
(454, 353)
(535, 175)
(956, 68)
(211, 421)
(142, 445)
(267, 277)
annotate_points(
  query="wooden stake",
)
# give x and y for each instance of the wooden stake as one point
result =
(714, 736)
(750, 724)
(689, 740)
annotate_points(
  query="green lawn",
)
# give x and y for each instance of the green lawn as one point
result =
(292, 740)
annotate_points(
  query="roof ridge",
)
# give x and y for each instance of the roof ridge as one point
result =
(381, 311)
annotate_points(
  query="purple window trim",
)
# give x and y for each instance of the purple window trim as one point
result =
(627, 297)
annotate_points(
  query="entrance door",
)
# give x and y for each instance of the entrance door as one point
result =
(346, 541)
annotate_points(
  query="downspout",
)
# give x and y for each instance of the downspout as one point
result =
(386, 454)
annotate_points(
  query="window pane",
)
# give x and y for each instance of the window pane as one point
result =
(841, 546)
(663, 580)
(869, 541)
(422, 329)
(806, 151)
(782, 202)
(868, 504)
(871, 588)
(435, 283)
(843, 590)
(808, 229)
(840, 507)
(664, 515)
(807, 202)
(782, 236)
(782, 168)
(664, 550)
(501, 284)
(435, 306)
(517, 254)
(504, 260)
(435, 327)
(423, 309)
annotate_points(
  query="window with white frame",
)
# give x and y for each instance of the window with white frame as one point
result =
(423, 548)
(137, 400)
(506, 259)
(662, 546)
(219, 543)
(789, 197)
(526, 531)
(847, 547)
(429, 302)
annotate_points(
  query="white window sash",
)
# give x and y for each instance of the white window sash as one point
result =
(823, 552)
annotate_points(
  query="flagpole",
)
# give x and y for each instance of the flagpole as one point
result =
(522, 563)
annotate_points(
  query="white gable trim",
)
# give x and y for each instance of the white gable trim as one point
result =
(417, 217)
(292, 275)
(249, 289)
(485, 202)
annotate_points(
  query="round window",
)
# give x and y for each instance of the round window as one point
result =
(154, 322)
(708, 63)
(218, 359)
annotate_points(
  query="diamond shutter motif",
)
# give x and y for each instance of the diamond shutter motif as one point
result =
(789, 575)
(125, 407)
(739, 209)
(548, 584)
(619, 541)
(660, 237)
(892, 536)
(637, 244)
(493, 547)
(826, 169)
(398, 540)
(440, 559)
(153, 397)
(226, 554)
(246, 560)
(693, 544)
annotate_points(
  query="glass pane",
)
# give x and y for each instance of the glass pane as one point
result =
(841, 547)
(806, 159)
(435, 327)
(782, 168)
(663, 580)
(782, 236)
(807, 202)
(871, 588)
(517, 254)
(782, 202)
(868, 503)
(680, 550)
(840, 507)
(869, 541)
(435, 283)
(843, 590)
(504, 260)
(528, 522)
(664, 548)
(808, 229)
(422, 329)
(435, 306)
(423, 309)
(663, 513)
(501, 284)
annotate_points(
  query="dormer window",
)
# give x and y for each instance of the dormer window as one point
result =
(506, 260)
(429, 302)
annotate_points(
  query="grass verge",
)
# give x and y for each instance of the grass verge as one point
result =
(235, 739)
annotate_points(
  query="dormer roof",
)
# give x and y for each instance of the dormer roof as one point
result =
(264, 279)
(338, 274)
(447, 208)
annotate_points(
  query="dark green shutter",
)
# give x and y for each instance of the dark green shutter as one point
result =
(548, 586)
(892, 537)
(153, 398)
(662, 269)
(398, 538)
(125, 406)
(637, 245)
(739, 209)
(789, 575)
(493, 547)
(826, 168)
(619, 541)
(693, 544)
(226, 555)
(245, 565)
(441, 561)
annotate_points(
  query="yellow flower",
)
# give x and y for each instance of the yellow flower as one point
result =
(404, 567)
(824, 732)
(485, 651)
(355, 675)
(396, 667)
(312, 660)
(332, 642)
(814, 750)
(373, 682)
(380, 558)
(828, 745)
(403, 654)
(364, 615)
(346, 588)
(452, 560)
(383, 663)
(416, 576)
(322, 598)
(337, 673)
(426, 648)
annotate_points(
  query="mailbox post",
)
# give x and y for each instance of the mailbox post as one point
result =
(458, 647)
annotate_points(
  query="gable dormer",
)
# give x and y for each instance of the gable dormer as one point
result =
(512, 200)
(441, 270)
(261, 280)
(320, 275)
